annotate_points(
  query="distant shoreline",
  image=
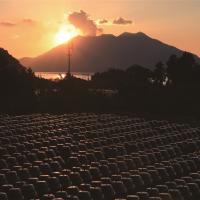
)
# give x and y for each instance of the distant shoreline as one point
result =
(59, 75)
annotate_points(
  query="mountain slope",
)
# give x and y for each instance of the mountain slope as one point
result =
(98, 53)
(8, 62)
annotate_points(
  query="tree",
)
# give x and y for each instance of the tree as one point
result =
(159, 74)
(111, 79)
(16, 84)
(138, 75)
(181, 70)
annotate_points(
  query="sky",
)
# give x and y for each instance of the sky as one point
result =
(29, 28)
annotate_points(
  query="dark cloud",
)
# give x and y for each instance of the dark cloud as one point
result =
(82, 21)
(7, 24)
(103, 21)
(28, 21)
(122, 21)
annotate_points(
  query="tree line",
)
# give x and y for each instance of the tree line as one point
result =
(170, 88)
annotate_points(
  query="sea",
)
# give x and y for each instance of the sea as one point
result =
(60, 75)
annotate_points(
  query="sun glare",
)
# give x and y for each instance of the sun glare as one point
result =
(65, 33)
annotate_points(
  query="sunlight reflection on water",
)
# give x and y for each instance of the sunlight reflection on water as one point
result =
(60, 75)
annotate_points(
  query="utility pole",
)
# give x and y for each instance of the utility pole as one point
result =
(69, 54)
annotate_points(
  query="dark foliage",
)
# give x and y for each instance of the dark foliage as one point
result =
(16, 85)
(171, 88)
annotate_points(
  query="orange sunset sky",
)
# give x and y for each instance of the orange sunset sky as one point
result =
(31, 27)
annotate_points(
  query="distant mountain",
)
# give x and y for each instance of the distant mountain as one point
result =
(98, 53)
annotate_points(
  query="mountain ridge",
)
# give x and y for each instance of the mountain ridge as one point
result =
(98, 53)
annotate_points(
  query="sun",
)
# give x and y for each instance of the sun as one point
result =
(65, 33)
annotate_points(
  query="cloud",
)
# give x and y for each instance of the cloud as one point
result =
(122, 21)
(28, 21)
(25, 21)
(82, 21)
(7, 24)
(103, 21)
